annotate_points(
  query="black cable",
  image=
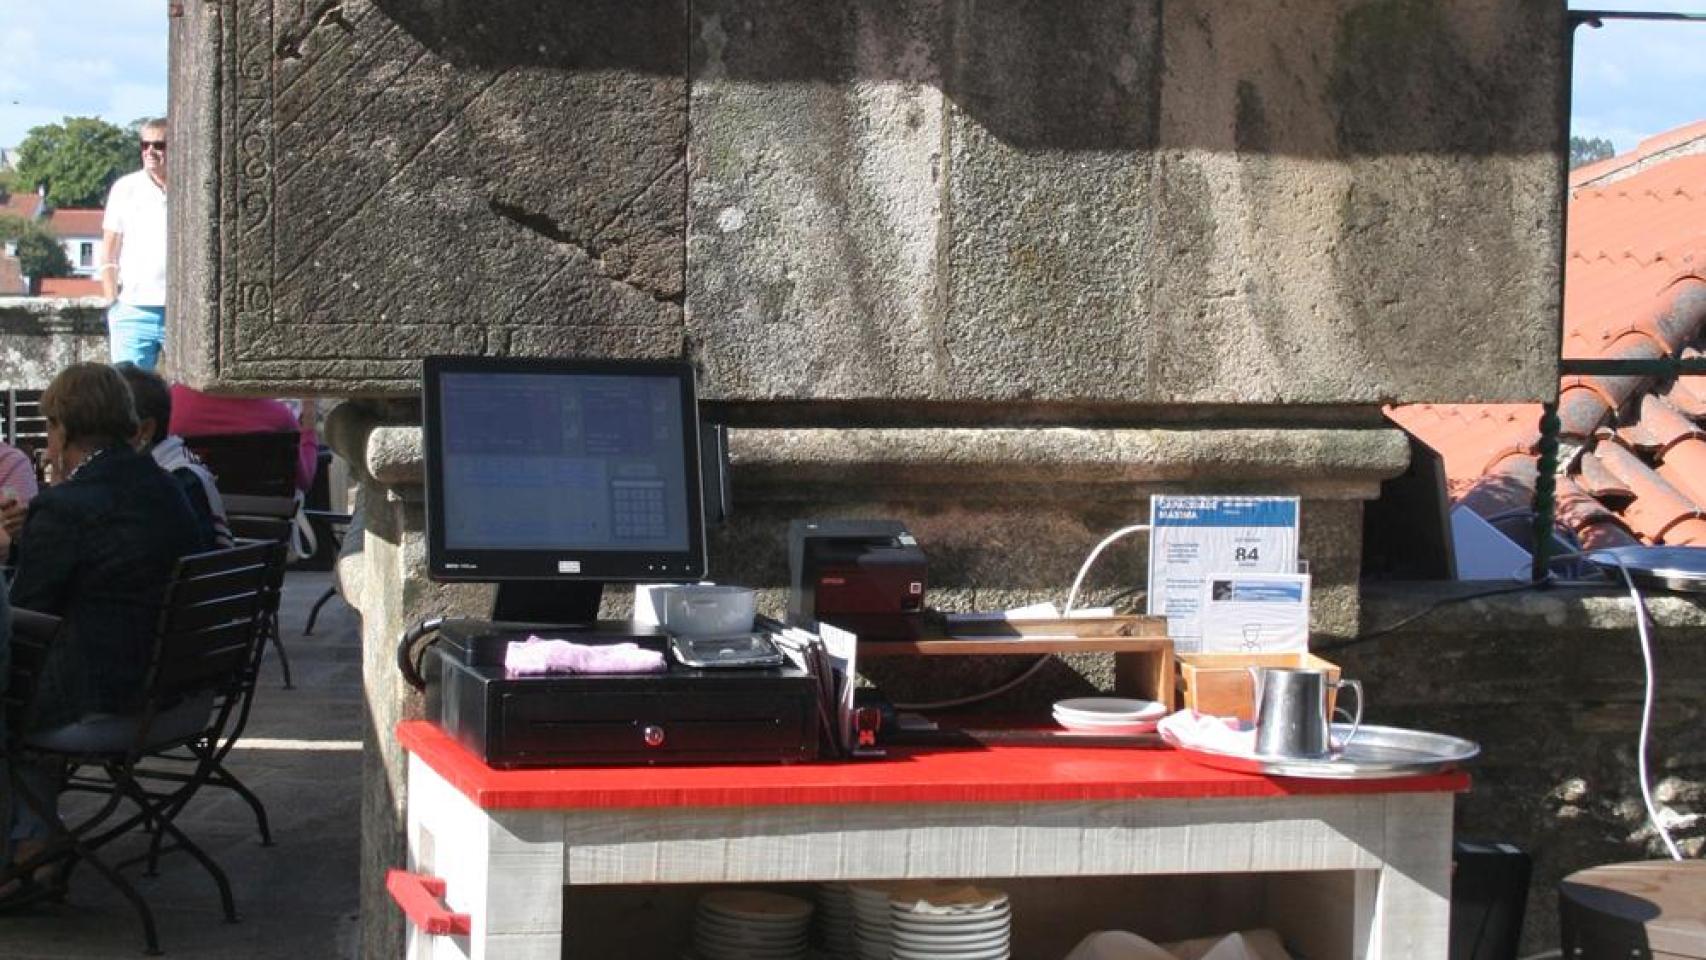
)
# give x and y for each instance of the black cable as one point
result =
(1426, 611)
(408, 659)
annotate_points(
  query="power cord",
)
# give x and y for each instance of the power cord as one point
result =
(1646, 707)
(1036, 667)
(1646, 661)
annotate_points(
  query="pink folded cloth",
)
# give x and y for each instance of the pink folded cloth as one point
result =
(537, 656)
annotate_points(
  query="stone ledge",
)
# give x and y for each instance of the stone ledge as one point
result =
(1007, 462)
(1561, 608)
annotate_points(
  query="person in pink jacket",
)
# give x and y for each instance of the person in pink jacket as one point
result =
(17, 475)
(197, 414)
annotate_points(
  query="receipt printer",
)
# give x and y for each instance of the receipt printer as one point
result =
(864, 576)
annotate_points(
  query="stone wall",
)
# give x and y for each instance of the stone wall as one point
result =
(1550, 683)
(39, 336)
(1004, 204)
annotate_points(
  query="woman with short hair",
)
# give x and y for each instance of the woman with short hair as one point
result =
(98, 548)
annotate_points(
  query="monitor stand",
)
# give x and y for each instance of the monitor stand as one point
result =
(561, 603)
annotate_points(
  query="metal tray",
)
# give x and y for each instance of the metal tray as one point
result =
(1377, 753)
(1682, 569)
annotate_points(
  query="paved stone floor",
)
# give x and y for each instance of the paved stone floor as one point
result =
(296, 899)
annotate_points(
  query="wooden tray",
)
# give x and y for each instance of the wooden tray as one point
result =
(1143, 664)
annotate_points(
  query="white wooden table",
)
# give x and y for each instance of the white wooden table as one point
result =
(1340, 870)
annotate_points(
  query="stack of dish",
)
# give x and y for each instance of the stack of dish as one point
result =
(1109, 716)
(951, 923)
(871, 933)
(751, 925)
(835, 926)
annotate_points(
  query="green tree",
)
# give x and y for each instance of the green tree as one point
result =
(40, 253)
(1586, 150)
(78, 160)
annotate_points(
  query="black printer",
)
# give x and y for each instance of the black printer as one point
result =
(864, 576)
(685, 715)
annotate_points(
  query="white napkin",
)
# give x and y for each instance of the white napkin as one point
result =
(1201, 731)
(1244, 945)
(1117, 945)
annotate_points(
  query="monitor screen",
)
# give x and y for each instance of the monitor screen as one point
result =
(561, 469)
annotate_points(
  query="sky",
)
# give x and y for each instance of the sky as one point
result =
(107, 58)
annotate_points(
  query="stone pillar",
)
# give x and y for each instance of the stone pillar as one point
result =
(999, 268)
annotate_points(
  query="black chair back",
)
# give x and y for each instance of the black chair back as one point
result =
(252, 464)
(33, 636)
(210, 623)
(24, 425)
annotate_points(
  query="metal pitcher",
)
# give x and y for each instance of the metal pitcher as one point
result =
(1291, 712)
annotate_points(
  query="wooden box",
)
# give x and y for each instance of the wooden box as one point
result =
(1219, 684)
(1143, 654)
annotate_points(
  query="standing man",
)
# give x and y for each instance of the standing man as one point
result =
(133, 271)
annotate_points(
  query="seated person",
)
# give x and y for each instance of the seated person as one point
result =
(153, 411)
(17, 475)
(197, 414)
(97, 548)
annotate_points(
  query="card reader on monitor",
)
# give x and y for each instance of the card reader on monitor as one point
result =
(864, 576)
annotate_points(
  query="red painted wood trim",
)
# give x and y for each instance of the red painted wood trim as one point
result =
(419, 895)
(996, 774)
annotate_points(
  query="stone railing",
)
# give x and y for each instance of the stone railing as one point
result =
(39, 336)
(1550, 683)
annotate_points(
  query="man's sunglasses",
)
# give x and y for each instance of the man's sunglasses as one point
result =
(159, 145)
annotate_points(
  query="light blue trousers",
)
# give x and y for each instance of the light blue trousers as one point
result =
(136, 334)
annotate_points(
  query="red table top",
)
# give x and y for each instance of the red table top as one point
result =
(991, 774)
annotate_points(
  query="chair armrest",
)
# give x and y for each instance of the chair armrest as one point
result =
(33, 625)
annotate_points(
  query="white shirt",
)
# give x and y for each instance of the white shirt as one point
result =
(136, 210)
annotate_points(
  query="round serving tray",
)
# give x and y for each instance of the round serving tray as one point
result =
(1377, 753)
(1682, 569)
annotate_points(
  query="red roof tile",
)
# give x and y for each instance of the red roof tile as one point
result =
(24, 205)
(70, 287)
(1634, 287)
(68, 222)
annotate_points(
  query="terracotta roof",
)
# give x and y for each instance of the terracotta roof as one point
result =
(70, 287)
(25, 205)
(75, 222)
(1633, 448)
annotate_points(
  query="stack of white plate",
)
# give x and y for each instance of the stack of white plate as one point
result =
(1109, 716)
(951, 923)
(834, 918)
(871, 934)
(751, 925)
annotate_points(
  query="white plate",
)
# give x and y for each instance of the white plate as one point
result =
(998, 953)
(717, 951)
(961, 924)
(747, 934)
(1111, 708)
(758, 906)
(983, 941)
(1136, 729)
(998, 908)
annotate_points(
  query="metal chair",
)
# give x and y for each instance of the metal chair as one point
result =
(265, 519)
(168, 765)
(24, 425)
(205, 648)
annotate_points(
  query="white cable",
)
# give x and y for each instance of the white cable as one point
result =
(1646, 708)
(1072, 595)
(1646, 696)
(1031, 671)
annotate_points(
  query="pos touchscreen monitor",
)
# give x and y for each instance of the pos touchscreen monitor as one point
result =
(550, 477)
